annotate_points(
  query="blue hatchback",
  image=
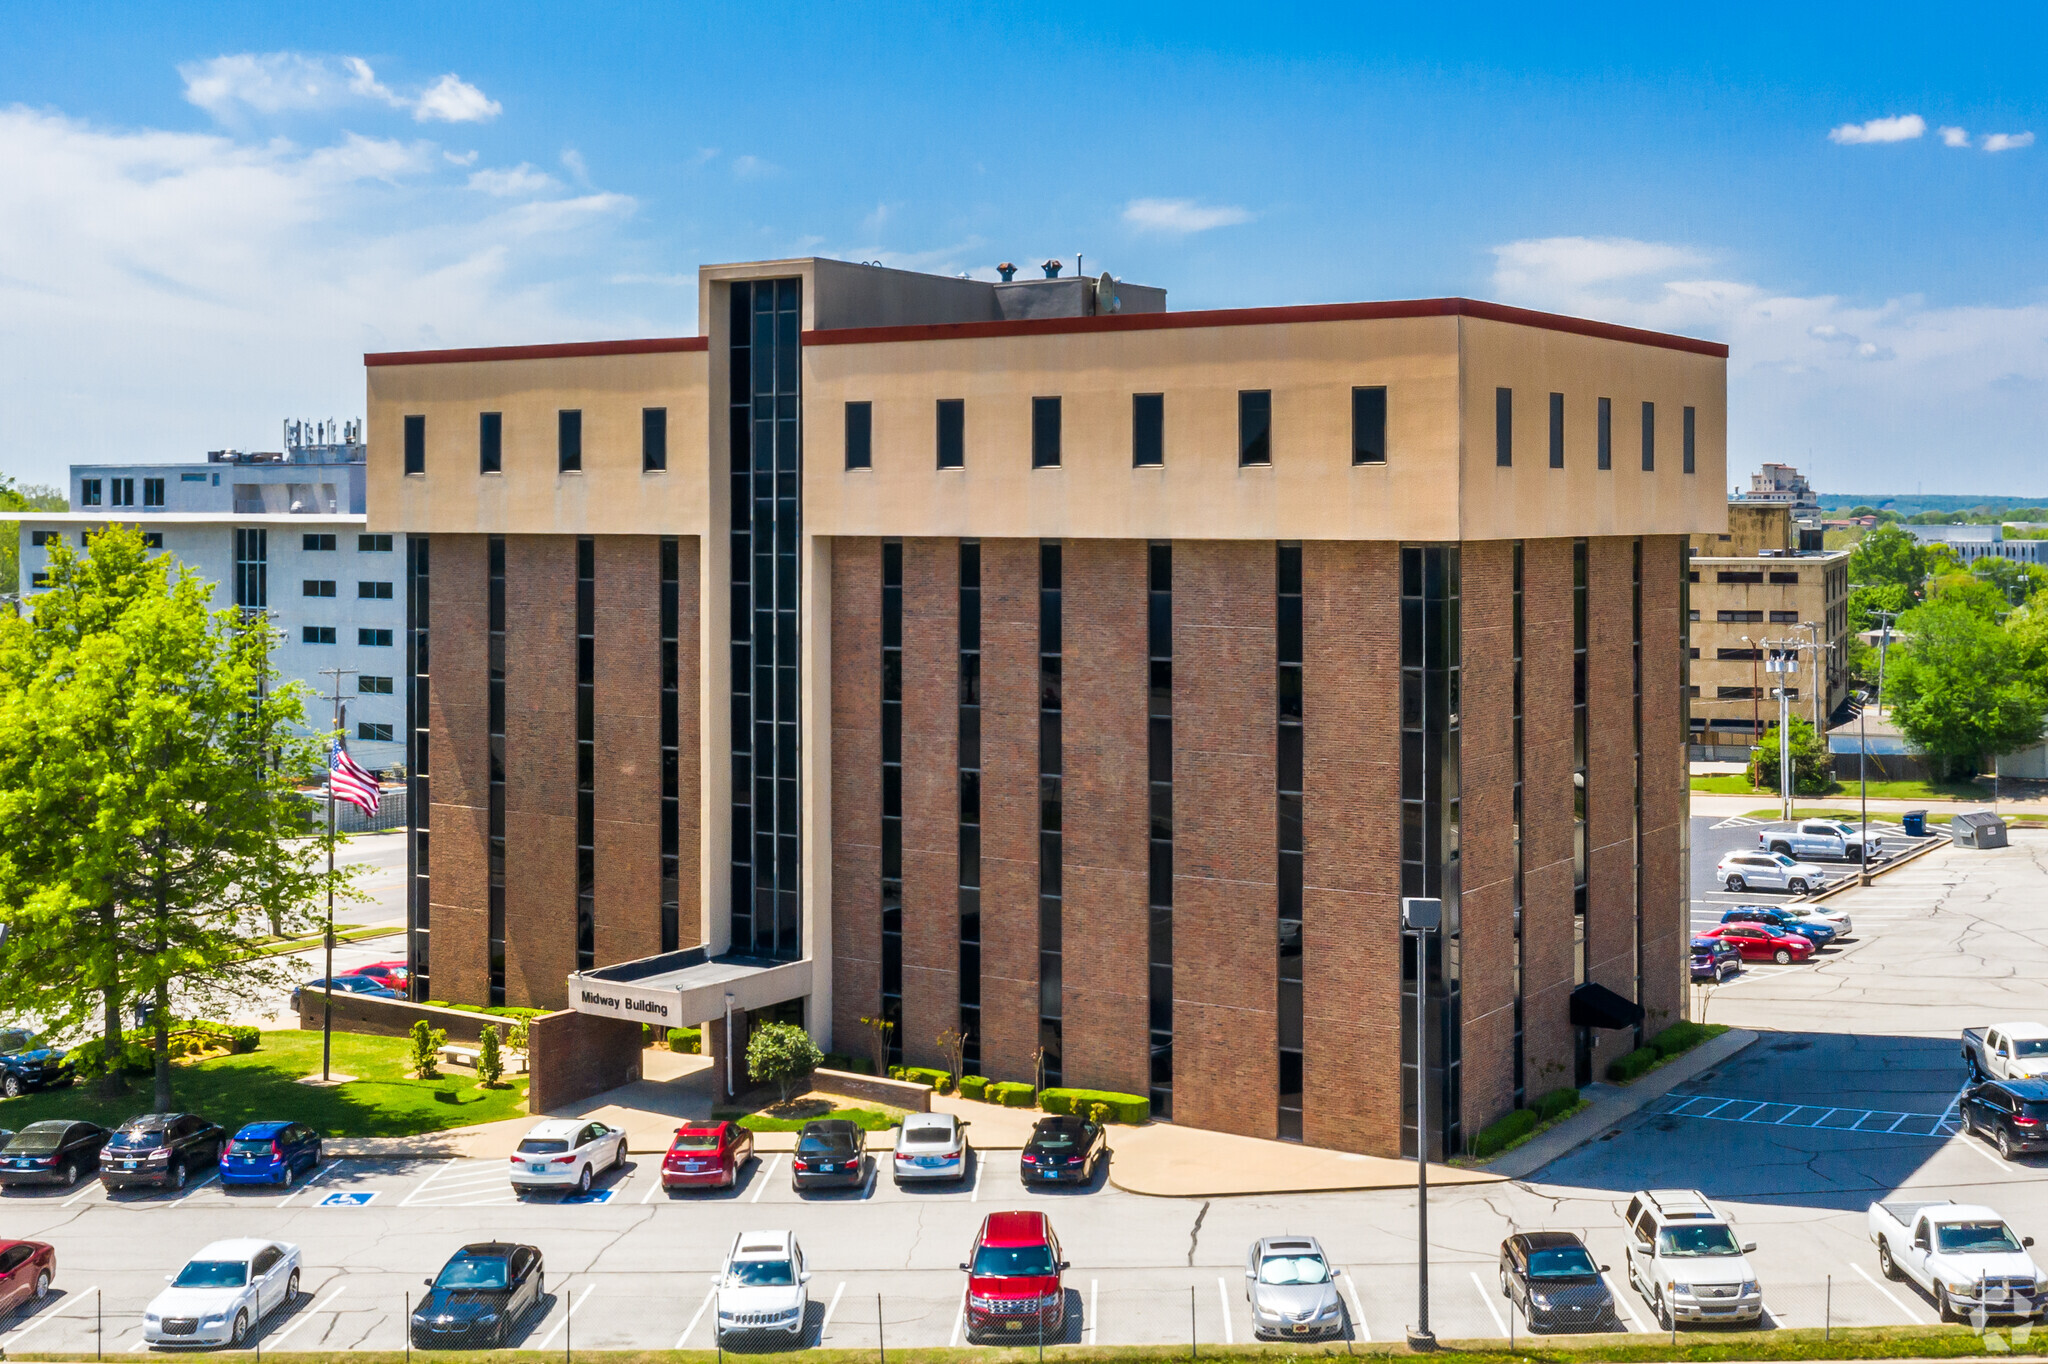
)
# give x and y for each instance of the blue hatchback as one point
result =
(1819, 934)
(270, 1153)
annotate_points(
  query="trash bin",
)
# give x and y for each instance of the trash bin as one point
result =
(1915, 823)
(1978, 829)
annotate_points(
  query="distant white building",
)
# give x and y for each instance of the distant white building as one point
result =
(1782, 485)
(1971, 543)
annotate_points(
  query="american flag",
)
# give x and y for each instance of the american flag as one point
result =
(349, 782)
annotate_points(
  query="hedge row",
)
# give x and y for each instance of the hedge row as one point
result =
(1497, 1136)
(1622, 1069)
(690, 1040)
(1124, 1108)
(1556, 1104)
(1011, 1094)
(973, 1086)
(1673, 1041)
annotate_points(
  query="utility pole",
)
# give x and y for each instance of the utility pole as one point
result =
(327, 970)
(1863, 785)
(1756, 688)
(1821, 678)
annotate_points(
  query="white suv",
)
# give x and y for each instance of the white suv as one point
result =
(1769, 871)
(1684, 1259)
(567, 1153)
(761, 1287)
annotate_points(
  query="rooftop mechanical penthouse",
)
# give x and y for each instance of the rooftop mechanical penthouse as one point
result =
(1028, 660)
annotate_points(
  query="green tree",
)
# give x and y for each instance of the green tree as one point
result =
(147, 775)
(19, 498)
(423, 1053)
(2027, 628)
(782, 1053)
(1961, 691)
(1887, 554)
(1813, 772)
(1968, 591)
(490, 1063)
(2015, 581)
(1865, 602)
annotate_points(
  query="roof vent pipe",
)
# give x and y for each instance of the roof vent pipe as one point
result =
(1052, 269)
(1007, 271)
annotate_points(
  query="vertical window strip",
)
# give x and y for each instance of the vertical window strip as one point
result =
(1159, 764)
(1557, 430)
(1636, 833)
(892, 794)
(418, 870)
(969, 774)
(1649, 437)
(586, 753)
(1051, 996)
(1430, 859)
(495, 729)
(252, 569)
(671, 743)
(1503, 427)
(1583, 1066)
(1288, 652)
(1689, 451)
(1521, 1076)
(1606, 434)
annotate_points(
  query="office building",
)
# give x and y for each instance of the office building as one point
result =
(1971, 543)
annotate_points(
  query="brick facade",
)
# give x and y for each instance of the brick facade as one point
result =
(1547, 815)
(540, 769)
(1486, 760)
(1009, 808)
(856, 789)
(458, 767)
(931, 796)
(627, 728)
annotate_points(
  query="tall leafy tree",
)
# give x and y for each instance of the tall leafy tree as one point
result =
(1887, 554)
(148, 767)
(1962, 690)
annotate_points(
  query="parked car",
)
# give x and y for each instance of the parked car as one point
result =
(1819, 934)
(1714, 960)
(222, 1292)
(161, 1149)
(1292, 1288)
(830, 1151)
(270, 1153)
(27, 1062)
(1063, 1150)
(1819, 914)
(2010, 1114)
(27, 1268)
(1762, 942)
(762, 1286)
(480, 1295)
(566, 1153)
(1831, 838)
(2006, 1051)
(54, 1151)
(931, 1146)
(1013, 1272)
(1768, 871)
(1961, 1253)
(1555, 1282)
(396, 975)
(1685, 1260)
(349, 985)
(707, 1155)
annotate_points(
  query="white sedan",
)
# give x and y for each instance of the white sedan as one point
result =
(1769, 871)
(223, 1293)
(931, 1146)
(567, 1153)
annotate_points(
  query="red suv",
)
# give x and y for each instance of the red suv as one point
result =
(707, 1156)
(1013, 1278)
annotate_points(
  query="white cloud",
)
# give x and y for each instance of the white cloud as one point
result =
(1903, 128)
(1955, 137)
(454, 100)
(2006, 142)
(232, 84)
(522, 179)
(754, 168)
(1181, 216)
(1864, 395)
(467, 158)
(572, 161)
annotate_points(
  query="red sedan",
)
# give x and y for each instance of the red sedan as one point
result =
(26, 1269)
(706, 1156)
(1761, 942)
(395, 974)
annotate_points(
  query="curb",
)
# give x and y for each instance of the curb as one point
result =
(1573, 1133)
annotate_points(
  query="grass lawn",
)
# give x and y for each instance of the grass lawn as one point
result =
(792, 1116)
(383, 1100)
(1852, 816)
(1735, 784)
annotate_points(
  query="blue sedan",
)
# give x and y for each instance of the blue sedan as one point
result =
(1819, 934)
(350, 985)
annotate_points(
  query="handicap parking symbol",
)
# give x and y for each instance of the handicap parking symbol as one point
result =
(346, 1200)
(588, 1196)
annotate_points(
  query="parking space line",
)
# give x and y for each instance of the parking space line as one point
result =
(1089, 1335)
(1626, 1305)
(1357, 1308)
(1906, 1311)
(1487, 1298)
(318, 1175)
(825, 1322)
(1966, 1140)
(444, 1166)
(974, 1180)
(764, 1177)
(683, 1340)
(47, 1314)
(1222, 1293)
(959, 1319)
(316, 1307)
(648, 1197)
(90, 1186)
(196, 1187)
(563, 1320)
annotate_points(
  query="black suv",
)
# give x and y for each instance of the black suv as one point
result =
(1063, 1150)
(828, 1152)
(25, 1064)
(2010, 1114)
(160, 1149)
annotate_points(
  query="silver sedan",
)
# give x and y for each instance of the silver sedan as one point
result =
(931, 1146)
(1292, 1288)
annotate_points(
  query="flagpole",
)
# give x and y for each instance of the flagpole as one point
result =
(327, 973)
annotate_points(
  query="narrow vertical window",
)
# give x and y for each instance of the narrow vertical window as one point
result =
(252, 569)
(416, 445)
(671, 743)
(1289, 711)
(952, 433)
(1503, 426)
(1255, 426)
(1369, 425)
(1606, 460)
(419, 895)
(569, 440)
(1649, 437)
(1159, 763)
(892, 794)
(1051, 995)
(1148, 430)
(860, 432)
(1521, 1075)
(494, 724)
(1583, 1041)
(1430, 683)
(1557, 430)
(586, 753)
(653, 439)
(1689, 448)
(969, 773)
(490, 442)
(1045, 433)
(1636, 831)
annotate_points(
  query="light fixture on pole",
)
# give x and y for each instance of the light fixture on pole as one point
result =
(1419, 919)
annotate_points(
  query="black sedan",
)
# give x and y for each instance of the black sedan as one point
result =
(25, 1064)
(1063, 1150)
(2010, 1114)
(55, 1151)
(1554, 1281)
(480, 1296)
(831, 1152)
(161, 1149)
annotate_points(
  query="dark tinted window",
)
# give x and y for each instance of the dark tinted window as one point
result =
(416, 445)
(1148, 429)
(1649, 437)
(860, 434)
(138, 1139)
(1561, 1262)
(1689, 440)
(653, 438)
(1557, 430)
(569, 440)
(490, 444)
(471, 1271)
(952, 433)
(1255, 426)
(1009, 1261)
(1045, 433)
(315, 543)
(1503, 426)
(1606, 434)
(825, 1141)
(1369, 425)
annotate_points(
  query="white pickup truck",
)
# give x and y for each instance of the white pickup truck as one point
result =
(2007, 1051)
(1809, 838)
(1965, 1255)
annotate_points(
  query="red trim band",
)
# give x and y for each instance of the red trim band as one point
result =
(1261, 317)
(657, 345)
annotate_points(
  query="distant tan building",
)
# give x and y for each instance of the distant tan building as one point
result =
(1755, 587)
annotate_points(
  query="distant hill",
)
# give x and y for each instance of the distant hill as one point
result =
(1910, 504)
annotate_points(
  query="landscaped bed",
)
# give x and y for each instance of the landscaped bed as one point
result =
(791, 1116)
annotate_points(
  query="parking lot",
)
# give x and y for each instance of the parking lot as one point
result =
(1848, 1097)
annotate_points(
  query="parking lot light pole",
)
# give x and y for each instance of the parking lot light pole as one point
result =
(327, 970)
(1420, 918)
(1863, 785)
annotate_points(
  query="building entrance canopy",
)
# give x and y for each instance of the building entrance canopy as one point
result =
(682, 989)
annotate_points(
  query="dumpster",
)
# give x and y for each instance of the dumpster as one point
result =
(1977, 829)
(1915, 823)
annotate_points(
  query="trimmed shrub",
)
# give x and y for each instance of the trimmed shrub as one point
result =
(1622, 1069)
(1123, 1108)
(1496, 1136)
(1556, 1104)
(90, 1057)
(690, 1040)
(895, 1072)
(1682, 1036)
(424, 1058)
(973, 1086)
(244, 1037)
(1010, 1094)
(490, 1061)
(940, 1080)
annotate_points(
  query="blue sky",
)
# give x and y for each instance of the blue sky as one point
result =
(211, 211)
